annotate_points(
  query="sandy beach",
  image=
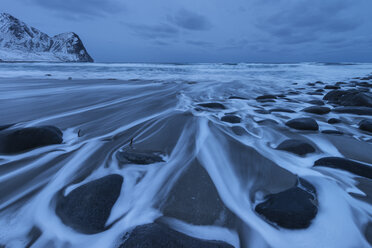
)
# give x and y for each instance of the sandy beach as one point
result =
(250, 165)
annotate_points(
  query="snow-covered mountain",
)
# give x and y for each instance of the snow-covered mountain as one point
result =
(21, 42)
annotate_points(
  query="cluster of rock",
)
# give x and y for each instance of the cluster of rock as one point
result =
(294, 208)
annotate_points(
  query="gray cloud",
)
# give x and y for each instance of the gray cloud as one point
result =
(154, 31)
(194, 31)
(199, 43)
(301, 22)
(76, 8)
(190, 20)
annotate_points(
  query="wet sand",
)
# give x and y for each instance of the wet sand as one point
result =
(199, 158)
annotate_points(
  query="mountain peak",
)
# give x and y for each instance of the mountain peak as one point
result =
(21, 42)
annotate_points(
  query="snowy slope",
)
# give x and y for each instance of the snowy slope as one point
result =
(21, 42)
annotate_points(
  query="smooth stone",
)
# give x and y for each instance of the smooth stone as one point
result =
(303, 124)
(356, 99)
(317, 110)
(237, 98)
(231, 119)
(315, 93)
(238, 130)
(293, 208)
(331, 87)
(353, 110)
(317, 102)
(21, 140)
(281, 110)
(3, 127)
(298, 147)
(87, 208)
(368, 233)
(293, 93)
(195, 200)
(366, 78)
(262, 111)
(267, 122)
(266, 100)
(366, 125)
(350, 98)
(354, 167)
(310, 84)
(133, 156)
(365, 84)
(319, 82)
(332, 132)
(157, 235)
(212, 105)
(33, 235)
(319, 90)
(265, 97)
(334, 121)
(334, 95)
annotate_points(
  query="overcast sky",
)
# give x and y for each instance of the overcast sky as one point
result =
(208, 30)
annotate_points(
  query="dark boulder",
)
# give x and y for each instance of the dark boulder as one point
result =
(282, 110)
(266, 97)
(21, 140)
(366, 78)
(3, 127)
(237, 98)
(317, 110)
(366, 125)
(354, 167)
(365, 84)
(332, 132)
(356, 99)
(314, 93)
(293, 93)
(262, 111)
(268, 122)
(266, 100)
(334, 121)
(134, 156)
(298, 147)
(87, 208)
(317, 102)
(231, 119)
(293, 208)
(160, 236)
(194, 199)
(350, 98)
(334, 95)
(353, 110)
(212, 105)
(303, 124)
(331, 87)
(238, 130)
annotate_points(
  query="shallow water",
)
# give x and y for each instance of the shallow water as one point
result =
(156, 105)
